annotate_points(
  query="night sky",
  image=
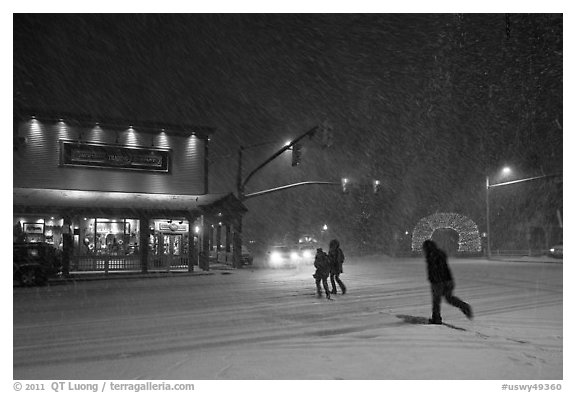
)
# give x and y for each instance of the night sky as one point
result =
(426, 103)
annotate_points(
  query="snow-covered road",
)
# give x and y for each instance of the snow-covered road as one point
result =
(268, 324)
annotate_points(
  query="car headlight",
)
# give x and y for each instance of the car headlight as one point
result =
(275, 257)
(293, 255)
(307, 254)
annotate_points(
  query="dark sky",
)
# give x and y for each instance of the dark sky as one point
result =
(426, 103)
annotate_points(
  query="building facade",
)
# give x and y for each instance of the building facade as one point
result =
(116, 196)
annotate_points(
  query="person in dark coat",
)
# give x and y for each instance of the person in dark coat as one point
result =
(441, 282)
(336, 260)
(322, 265)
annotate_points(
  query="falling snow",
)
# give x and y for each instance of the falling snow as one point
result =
(427, 104)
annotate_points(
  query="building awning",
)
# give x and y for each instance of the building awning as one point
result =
(37, 200)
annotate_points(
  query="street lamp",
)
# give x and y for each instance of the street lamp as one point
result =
(323, 233)
(505, 171)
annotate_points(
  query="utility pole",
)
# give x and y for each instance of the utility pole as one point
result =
(241, 184)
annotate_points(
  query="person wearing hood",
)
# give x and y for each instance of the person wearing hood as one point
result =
(336, 260)
(441, 282)
(322, 265)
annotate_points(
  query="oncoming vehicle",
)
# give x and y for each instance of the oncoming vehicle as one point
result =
(557, 251)
(282, 256)
(35, 263)
(307, 254)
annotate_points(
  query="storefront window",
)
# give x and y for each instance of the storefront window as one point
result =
(34, 229)
(84, 236)
(107, 236)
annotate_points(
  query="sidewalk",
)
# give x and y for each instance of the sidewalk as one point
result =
(215, 268)
(527, 259)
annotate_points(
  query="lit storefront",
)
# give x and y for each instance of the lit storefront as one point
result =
(99, 192)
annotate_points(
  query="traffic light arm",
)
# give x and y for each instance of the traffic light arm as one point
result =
(309, 132)
(304, 183)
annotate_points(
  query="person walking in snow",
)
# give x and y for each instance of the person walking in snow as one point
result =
(441, 282)
(336, 256)
(322, 265)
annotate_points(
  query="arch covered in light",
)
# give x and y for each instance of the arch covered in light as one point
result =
(468, 234)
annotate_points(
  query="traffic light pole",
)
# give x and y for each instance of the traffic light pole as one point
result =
(241, 185)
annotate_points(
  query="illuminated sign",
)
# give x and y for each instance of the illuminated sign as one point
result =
(114, 156)
(173, 227)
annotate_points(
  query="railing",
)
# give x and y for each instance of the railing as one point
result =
(222, 257)
(105, 263)
(167, 262)
(112, 263)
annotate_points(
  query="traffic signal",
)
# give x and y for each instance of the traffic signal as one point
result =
(344, 185)
(296, 153)
(376, 186)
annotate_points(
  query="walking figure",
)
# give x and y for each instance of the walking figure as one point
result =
(322, 265)
(441, 282)
(336, 260)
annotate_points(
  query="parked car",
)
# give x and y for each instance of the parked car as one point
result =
(557, 251)
(222, 256)
(35, 263)
(246, 257)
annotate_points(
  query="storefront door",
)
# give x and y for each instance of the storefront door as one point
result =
(173, 244)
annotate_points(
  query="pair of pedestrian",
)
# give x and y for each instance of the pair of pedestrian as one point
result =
(329, 265)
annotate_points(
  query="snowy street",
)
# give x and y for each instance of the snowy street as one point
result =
(267, 324)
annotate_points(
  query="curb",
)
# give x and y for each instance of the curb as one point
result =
(557, 262)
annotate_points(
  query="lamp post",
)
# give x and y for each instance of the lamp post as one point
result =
(505, 171)
(237, 239)
(488, 251)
